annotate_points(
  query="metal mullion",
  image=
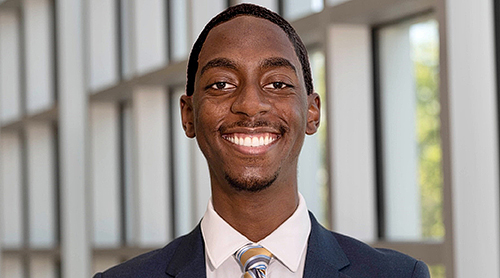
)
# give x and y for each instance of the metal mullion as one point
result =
(119, 40)
(168, 36)
(379, 161)
(445, 134)
(57, 185)
(55, 53)
(123, 196)
(25, 256)
(172, 158)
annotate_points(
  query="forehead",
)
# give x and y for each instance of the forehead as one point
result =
(247, 38)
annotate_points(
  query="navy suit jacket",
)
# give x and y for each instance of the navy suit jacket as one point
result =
(328, 255)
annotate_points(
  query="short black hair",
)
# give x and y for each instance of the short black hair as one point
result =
(259, 12)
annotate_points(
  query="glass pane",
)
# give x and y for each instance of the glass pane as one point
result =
(43, 267)
(425, 55)
(294, 9)
(127, 174)
(11, 201)
(10, 96)
(270, 4)
(179, 30)
(102, 41)
(150, 31)
(410, 131)
(101, 263)
(41, 184)
(437, 271)
(312, 164)
(182, 172)
(336, 2)
(12, 267)
(38, 55)
(104, 178)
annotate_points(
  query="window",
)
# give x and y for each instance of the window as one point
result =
(409, 129)
(312, 166)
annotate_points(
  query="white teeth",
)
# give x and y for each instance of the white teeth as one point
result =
(254, 141)
(248, 142)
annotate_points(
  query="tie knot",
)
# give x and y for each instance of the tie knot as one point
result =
(254, 258)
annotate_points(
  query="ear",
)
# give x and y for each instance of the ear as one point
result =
(187, 115)
(313, 113)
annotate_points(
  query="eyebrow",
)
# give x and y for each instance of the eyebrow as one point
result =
(218, 63)
(276, 62)
(273, 62)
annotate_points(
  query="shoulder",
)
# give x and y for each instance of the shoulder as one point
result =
(151, 264)
(366, 261)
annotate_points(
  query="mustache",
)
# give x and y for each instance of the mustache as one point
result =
(254, 124)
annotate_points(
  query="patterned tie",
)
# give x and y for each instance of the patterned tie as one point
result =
(254, 259)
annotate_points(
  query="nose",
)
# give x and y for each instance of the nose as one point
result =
(250, 101)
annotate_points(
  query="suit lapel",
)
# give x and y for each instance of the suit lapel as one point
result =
(189, 257)
(325, 257)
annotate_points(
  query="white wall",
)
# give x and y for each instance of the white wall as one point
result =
(73, 149)
(472, 115)
(351, 127)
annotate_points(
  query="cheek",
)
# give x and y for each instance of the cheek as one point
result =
(207, 117)
(295, 115)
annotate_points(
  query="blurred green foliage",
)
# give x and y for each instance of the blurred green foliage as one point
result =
(317, 59)
(425, 55)
(437, 271)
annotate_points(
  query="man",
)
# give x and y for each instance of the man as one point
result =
(249, 103)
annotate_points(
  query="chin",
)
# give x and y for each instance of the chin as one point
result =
(250, 184)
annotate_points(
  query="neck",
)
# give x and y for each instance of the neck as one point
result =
(256, 214)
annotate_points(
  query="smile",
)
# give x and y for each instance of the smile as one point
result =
(251, 140)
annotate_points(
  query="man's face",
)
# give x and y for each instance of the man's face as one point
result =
(249, 110)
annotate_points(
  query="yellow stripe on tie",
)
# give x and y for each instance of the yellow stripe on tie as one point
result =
(254, 252)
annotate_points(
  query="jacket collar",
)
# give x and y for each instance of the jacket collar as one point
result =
(324, 258)
(188, 259)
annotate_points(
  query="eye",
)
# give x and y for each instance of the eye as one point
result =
(222, 86)
(277, 86)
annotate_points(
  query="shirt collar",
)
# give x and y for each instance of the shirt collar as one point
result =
(287, 242)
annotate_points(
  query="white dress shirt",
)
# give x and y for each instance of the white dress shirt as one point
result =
(288, 244)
